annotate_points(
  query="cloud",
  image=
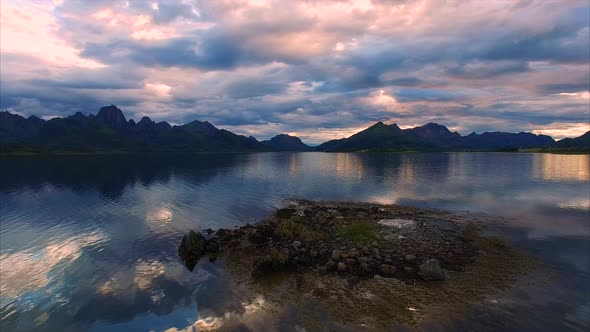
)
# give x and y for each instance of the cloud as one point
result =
(259, 67)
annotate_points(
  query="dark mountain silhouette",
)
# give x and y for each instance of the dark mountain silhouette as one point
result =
(284, 142)
(498, 140)
(15, 128)
(378, 136)
(578, 143)
(433, 137)
(112, 117)
(438, 135)
(109, 130)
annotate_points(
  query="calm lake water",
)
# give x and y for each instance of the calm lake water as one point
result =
(88, 243)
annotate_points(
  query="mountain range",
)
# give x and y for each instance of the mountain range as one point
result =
(109, 130)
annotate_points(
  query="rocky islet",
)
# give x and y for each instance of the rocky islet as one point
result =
(352, 240)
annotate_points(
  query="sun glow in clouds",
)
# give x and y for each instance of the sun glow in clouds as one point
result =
(31, 30)
(161, 90)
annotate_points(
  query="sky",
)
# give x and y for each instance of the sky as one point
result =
(318, 69)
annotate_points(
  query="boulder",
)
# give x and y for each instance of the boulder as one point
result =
(409, 269)
(212, 247)
(192, 243)
(336, 254)
(191, 248)
(431, 270)
(330, 266)
(410, 258)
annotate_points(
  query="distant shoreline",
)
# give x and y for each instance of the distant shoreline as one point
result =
(153, 153)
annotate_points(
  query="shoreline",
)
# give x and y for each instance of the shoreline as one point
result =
(156, 153)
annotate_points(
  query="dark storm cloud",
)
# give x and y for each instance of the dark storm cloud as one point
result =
(566, 87)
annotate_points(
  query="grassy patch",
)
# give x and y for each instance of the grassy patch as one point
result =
(360, 230)
(293, 230)
(276, 257)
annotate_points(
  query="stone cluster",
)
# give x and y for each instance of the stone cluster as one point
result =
(353, 240)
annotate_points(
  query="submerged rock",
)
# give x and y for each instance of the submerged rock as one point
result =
(431, 270)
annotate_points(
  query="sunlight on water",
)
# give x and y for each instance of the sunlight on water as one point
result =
(161, 215)
(562, 167)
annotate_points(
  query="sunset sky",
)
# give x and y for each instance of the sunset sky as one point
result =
(317, 69)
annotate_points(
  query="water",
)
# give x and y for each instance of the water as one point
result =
(89, 242)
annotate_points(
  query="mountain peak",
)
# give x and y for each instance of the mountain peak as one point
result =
(145, 120)
(111, 116)
(205, 127)
(285, 142)
(378, 124)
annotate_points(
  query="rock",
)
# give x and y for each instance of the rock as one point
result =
(304, 260)
(431, 270)
(336, 254)
(410, 258)
(387, 261)
(353, 280)
(313, 253)
(192, 244)
(363, 260)
(209, 231)
(409, 269)
(285, 213)
(221, 232)
(296, 244)
(364, 267)
(387, 269)
(191, 248)
(350, 261)
(330, 266)
(212, 247)
(341, 267)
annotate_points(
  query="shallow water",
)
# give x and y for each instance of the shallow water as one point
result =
(89, 242)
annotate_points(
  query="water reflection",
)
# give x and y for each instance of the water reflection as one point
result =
(89, 242)
(561, 167)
